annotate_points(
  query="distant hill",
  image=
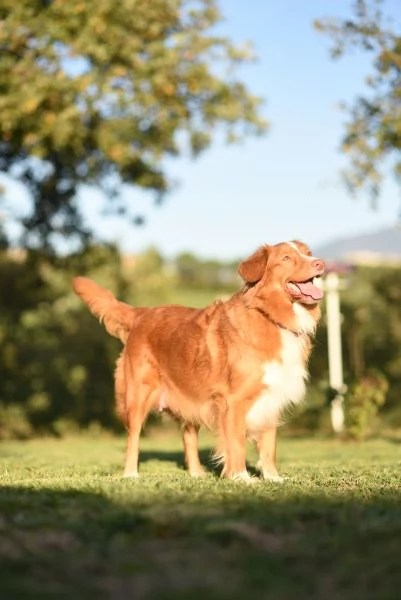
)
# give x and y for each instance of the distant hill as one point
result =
(382, 246)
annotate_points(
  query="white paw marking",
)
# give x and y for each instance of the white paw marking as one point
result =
(131, 474)
(273, 478)
(198, 473)
(244, 477)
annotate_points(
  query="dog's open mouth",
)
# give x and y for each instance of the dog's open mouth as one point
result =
(305, 292)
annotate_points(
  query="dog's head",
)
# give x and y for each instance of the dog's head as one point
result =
(289, 266)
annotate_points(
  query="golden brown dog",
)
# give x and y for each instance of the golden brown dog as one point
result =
(233, 366)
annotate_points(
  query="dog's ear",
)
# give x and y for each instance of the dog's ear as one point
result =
(252, 269)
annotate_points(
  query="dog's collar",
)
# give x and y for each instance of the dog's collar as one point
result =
(278, 324)
(281, 326)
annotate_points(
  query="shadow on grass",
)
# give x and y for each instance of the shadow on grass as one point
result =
(150, 544)
(393, 439)
(177, 457)
(205, 455)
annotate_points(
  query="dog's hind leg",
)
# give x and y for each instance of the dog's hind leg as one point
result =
(190, 439)
(120, 390)
(140, 400)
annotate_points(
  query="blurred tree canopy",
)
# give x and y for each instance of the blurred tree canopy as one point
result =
(101, 92)
(373, 132)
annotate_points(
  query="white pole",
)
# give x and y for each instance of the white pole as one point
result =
(332, 286)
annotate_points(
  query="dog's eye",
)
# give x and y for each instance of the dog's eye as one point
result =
(287, 257)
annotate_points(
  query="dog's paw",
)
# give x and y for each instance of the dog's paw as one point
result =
(275, 478)
(130, 475)
(270, 475)
(197, 473)
(244, 477)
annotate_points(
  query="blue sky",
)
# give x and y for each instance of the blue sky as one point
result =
(285, 185)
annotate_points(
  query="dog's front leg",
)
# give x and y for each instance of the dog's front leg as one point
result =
(233, 434)
(267, 442)
(190, 439)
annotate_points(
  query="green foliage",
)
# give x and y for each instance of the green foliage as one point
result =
(56, 361)
(200, 274)
(14, 421)
(362, 402)
(371, 332)
(113, 89)
(374, 130)
(150, 279)
(372, 325)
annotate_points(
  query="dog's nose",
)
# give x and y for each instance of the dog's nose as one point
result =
(319, 265)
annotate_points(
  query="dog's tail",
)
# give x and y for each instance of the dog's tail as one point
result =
(118, 317)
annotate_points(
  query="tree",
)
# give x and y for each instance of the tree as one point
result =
(56, 362)
(373, 132)
(101, 92)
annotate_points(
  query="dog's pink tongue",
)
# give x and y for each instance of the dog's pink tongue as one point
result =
(308, 289)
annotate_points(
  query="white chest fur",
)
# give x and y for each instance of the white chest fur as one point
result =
(285, 384)
(306, 322)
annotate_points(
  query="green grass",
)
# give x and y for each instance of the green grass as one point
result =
(71, 527)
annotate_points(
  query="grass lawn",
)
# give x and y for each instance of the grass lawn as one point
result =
(71, 527)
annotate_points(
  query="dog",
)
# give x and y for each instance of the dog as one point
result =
(233, 366)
